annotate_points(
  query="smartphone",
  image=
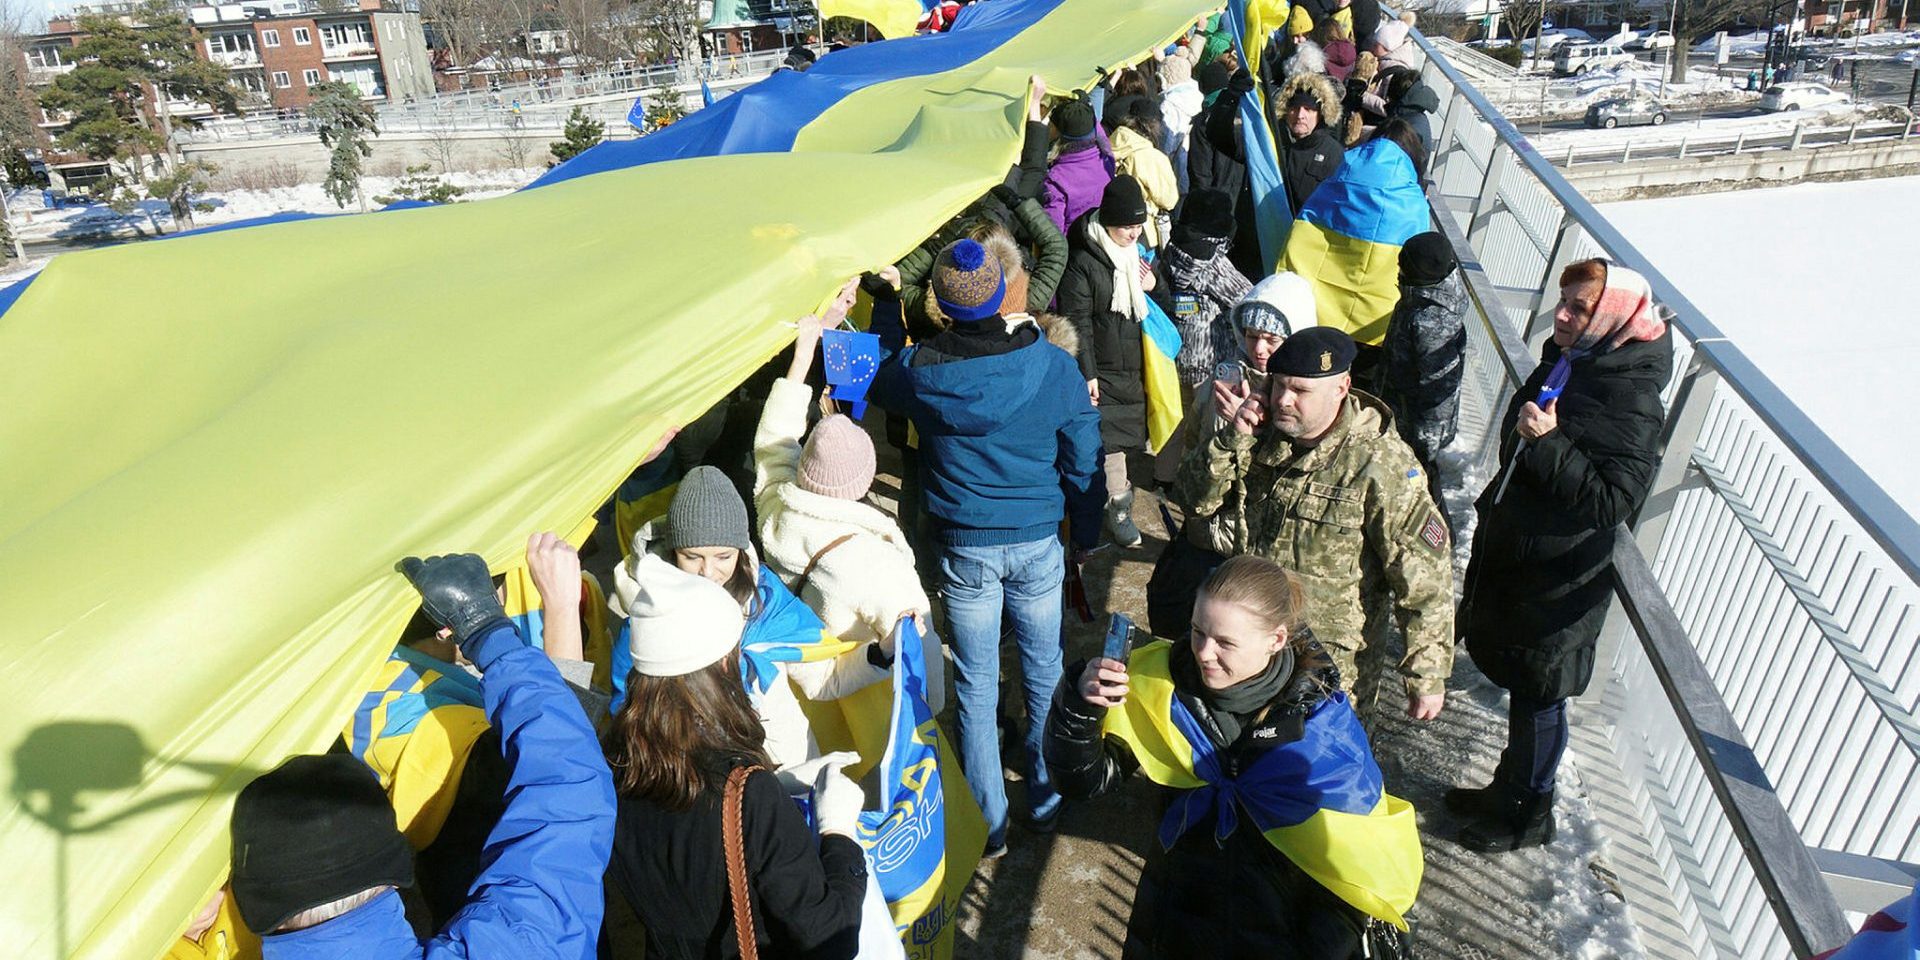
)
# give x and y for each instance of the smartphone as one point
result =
(1229, 372)
(1120, 631)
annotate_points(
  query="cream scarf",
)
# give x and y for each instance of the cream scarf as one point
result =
(1129, 300)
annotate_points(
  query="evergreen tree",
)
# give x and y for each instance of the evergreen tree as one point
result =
(178, 188)
(344, 124)
(581, 133)
(119, 66)
(418, 185)
(664, 106)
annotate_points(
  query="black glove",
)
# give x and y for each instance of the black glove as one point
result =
(457, 593)
(1241, 83)
(1008, 197)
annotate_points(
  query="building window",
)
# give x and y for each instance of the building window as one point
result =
(346, 35)
(230, 44)
(282, 81)
(252, 83)
(302, 36)
(310, 76)
(270, 38)
(49, 56)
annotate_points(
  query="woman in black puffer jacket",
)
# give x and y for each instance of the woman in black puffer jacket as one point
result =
(1537, 589)
(1252, 679)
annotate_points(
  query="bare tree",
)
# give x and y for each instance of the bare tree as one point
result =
(1696, 17)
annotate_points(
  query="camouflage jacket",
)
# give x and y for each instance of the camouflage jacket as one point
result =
(1348, 515)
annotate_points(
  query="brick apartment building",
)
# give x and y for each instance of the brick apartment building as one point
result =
(276, 50)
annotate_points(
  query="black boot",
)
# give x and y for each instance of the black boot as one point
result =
(1478, 803)
(1526, 821)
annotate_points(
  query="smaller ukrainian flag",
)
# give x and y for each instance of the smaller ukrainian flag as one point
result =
(1346, 240)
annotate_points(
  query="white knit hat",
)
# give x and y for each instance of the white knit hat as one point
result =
(1282, 304)
(680, 622)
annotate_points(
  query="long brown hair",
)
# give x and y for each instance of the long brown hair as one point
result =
(671, 741)
(1265, 589)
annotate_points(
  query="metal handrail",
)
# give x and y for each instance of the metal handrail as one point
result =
(1782, 864)
(1879, 515)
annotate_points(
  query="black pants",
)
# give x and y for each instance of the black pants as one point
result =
(1177, 576)
(1536, 740)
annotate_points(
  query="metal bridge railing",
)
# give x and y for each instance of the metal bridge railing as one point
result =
(1760, 678)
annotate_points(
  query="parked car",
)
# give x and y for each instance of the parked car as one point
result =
(1626, 112)
(1576, 58)
(1657, 40)
(1800, 95)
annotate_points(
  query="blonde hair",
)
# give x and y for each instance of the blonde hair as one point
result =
(1265, 589)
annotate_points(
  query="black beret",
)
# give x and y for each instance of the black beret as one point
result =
(1313, 352)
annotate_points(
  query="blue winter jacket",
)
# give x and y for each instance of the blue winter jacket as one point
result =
(539, 895)
(1008, 443)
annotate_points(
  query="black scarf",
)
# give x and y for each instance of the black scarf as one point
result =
(1233, 707)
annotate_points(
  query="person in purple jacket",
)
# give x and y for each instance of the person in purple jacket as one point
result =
(1079, 173)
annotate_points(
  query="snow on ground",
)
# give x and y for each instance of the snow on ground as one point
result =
(1810, 282)
(35, 220)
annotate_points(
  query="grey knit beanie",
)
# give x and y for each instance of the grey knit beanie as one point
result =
(707, 512)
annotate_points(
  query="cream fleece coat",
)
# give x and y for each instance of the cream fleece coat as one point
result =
(1137, 157)
(860, 588)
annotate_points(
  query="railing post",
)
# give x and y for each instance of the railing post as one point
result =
(1626, 153)
(1739, 143)
(1852, 132)
(1487, 202)
(1456, 105)
(1683, 149)
(1691, 403)
(1798, 127)
(1565, 242)
(1569, 163)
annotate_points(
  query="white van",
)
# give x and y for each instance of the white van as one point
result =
(1576, 58)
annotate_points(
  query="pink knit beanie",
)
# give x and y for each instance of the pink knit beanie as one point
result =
(837, 460)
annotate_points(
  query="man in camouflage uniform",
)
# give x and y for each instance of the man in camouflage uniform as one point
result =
(1313, 476)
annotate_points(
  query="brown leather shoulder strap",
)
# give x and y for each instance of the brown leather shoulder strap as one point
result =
(813, 562)
(733, 836)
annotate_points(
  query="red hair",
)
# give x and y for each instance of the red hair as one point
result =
(1584, 271)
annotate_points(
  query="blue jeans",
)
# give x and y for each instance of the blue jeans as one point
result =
(1025, 579)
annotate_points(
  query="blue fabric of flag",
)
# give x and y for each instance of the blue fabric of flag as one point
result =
(1272, 216)
(706, 95)
(905, 838)
(1331, 767)
(850, 360)
(636, 117)
(1374, 196)
(1890, 934)
(766, 117)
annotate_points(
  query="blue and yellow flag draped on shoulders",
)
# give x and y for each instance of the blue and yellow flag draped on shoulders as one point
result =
(1319, 800)
(203, 497)
(1347, 239)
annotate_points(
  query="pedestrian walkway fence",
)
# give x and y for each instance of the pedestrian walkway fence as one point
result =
(1755, 699)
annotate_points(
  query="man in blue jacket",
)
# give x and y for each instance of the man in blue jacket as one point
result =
(1009, 443)
(318, 860)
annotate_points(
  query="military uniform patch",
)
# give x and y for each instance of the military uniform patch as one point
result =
(1434, 533)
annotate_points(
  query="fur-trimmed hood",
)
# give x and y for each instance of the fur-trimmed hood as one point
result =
(1322, 88)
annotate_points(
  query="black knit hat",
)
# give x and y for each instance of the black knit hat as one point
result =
(1124, 204)
(1118, 108)
(1426, 259)
(1313, 352)
(314, 830)
(1213, 77)
(1207, 213)
(1074, 119)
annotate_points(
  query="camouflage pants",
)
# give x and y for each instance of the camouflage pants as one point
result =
(1368, 675)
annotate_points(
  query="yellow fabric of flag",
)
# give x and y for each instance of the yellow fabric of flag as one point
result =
(218, 446)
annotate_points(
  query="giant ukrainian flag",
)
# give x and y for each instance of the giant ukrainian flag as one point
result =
(215, 448)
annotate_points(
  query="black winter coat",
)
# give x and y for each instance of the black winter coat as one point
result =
(1235, 901)
(1307, 162)
(1110, 349)
(1542, 569)
(670, 868)
(1422, 359)
(1211, 168)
